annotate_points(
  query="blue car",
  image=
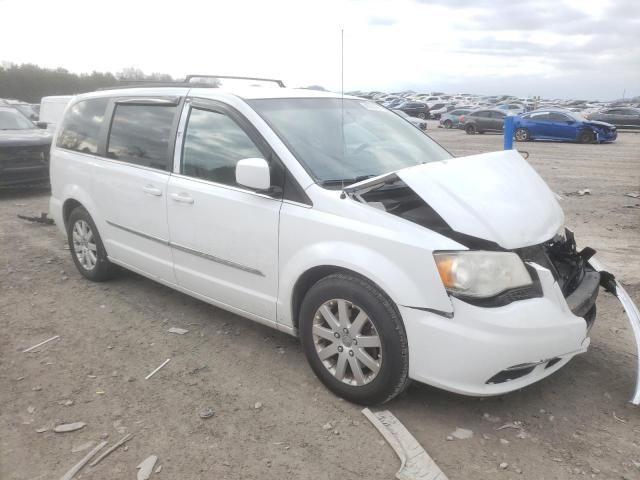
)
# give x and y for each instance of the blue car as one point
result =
(562, 125)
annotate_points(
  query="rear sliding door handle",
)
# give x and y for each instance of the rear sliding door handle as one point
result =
(182, 198)
(151, 190)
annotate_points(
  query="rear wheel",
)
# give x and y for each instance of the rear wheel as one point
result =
(522, 135)
(447, 124)
(470, 129)
(354, 339)
(86, 247)
(586, 136)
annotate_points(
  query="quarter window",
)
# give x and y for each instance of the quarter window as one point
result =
(141, 134)
(81, 126)
(213, 145)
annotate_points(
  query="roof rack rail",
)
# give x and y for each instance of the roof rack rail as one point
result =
(124, 84)
(190, 79)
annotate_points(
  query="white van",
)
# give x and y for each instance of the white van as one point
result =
(333, 219)
(52, 109)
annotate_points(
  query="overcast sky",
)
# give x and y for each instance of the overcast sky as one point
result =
(553, 48)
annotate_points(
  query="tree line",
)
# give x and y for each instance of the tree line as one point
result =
(29, 83)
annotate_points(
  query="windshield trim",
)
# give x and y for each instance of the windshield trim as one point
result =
(317, 180)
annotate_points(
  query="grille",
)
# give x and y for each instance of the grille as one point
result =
(24, 156)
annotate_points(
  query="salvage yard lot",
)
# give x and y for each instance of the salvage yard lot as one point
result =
(273, 419)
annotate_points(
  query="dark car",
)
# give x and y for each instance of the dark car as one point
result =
(24, 149)
(480, 121)
(562, 125)
(621, 117)
(414, 109)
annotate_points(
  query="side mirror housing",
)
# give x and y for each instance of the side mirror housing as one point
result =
(41, 124)
(253, 173)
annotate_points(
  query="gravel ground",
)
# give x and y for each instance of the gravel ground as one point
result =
(273, 419)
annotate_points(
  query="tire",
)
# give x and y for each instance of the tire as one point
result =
(470, 129)
(86, 247)
(586, 136)
(447, 124)
(522, 135)
(382, 324)
(422, 115)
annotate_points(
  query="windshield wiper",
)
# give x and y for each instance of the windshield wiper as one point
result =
(345, 181)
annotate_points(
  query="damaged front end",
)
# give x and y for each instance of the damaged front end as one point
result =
(496, 202)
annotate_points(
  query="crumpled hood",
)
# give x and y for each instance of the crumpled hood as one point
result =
(598, 123)
(24, 138)
(494, 196)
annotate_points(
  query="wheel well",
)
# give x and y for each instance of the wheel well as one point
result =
(309, 278)
(68, 207)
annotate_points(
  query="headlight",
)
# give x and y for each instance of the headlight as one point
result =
(481, 274)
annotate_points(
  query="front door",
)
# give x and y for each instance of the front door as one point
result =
(224, 237)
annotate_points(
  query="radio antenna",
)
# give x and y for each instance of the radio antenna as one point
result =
(342, 104)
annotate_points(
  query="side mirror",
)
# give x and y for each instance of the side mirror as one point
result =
(41, 124)
(253, 173)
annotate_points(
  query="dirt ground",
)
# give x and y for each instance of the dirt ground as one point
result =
(271, 413)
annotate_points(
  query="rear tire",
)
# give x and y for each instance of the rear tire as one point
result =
(470, 129)
(341, 314)
(522, 135)
(86, 247)
(447, 124)
(586, 136)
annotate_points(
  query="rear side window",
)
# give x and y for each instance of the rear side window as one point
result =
(141, 135)
(81, 125)
(213, 145)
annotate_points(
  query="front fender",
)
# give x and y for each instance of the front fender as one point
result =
(407, 280)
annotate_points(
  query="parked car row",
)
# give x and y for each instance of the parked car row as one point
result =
(542, 124)
(621, 113)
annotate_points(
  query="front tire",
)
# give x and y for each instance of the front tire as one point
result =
(586, 136)
(87, 249)
(354, 339)
(422, 115)
(522, 135)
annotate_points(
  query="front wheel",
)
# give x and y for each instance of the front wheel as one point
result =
(86, 247)
(354, 339)
(586, 136)
(522, 135)
(422, 115)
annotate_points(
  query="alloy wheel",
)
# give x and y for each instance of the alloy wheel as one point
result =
(347, 342)
(84, 245)
(521, 135)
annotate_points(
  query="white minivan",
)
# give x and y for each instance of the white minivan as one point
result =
(333, 219)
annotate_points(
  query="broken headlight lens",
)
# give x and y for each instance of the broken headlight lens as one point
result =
(481, 274)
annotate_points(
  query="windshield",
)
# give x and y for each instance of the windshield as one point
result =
(27, 110)
(11, 119)
(376, 140)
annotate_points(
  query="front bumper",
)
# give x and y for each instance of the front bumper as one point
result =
(475, 351)
(24, 165)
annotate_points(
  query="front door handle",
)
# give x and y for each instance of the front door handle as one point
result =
(151, 190)
(182, 197)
